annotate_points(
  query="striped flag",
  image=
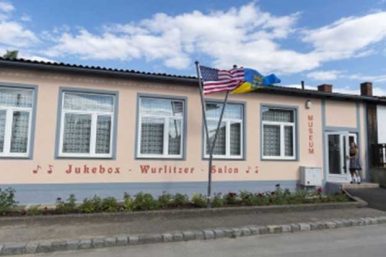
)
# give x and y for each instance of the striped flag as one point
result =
(215, 80)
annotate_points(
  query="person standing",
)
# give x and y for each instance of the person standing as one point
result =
(354, 164)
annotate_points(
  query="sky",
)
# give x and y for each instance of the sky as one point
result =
(321, 41)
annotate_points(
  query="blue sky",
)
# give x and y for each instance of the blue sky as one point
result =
(321, 41)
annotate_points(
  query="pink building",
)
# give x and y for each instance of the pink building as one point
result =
(90, 130)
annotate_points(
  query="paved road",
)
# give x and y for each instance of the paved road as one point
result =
(350, 242)
(376, 197)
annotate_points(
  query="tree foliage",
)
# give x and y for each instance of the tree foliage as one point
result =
(11, 54)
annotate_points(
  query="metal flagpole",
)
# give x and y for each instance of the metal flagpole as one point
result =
(214, 143)
(211, 145)
(203, 107)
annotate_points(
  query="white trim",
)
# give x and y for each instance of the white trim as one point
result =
(9, 113)
(94, 119)
(166, 123)
(344, 175)
(282, 126)
(227, 122)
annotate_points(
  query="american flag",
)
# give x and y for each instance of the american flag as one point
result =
(215, 80)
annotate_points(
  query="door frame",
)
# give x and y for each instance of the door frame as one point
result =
(344, 175)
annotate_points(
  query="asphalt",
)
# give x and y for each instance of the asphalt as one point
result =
(375, 197)
(29, 230)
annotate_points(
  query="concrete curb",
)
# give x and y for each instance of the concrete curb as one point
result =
(358, 200)
(205, 234)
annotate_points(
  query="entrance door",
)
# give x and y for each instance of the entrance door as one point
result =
(338, 147)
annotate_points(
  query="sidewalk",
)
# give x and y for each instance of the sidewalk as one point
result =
(31, 229)
(32, 235)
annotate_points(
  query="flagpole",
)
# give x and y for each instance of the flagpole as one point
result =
(214, 143)
(203, 107)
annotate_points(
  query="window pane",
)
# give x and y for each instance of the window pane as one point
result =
(220, 147)
(288, 139)
(278, 115)
(232, 111)
(271, 140)
(103, 134)
(235, 141)
(152, 135)
(77, 133)
(88, 102)
(3, 115)
(16, 97)
(162, 107)
(19, 139)
(175, 127)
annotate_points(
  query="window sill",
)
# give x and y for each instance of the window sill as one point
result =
(85, 157)
(279, 159)
(225, 158)
(160, 158)
(10, 157)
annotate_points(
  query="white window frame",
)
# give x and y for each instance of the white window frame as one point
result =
(282, 126)
(227, 122)
(9, 111)
(93, 132)
(165, 154)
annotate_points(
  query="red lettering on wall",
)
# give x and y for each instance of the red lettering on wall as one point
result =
(310, 134)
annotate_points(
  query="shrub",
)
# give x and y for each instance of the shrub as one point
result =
(262, 199)
(180, 200)
(91, 205)
(127, 202)
(143, 202)
(231, 198)
(110, 204)
(199, 200)
(66, 206)
(34, 210)
(7, 200)
(165, 200)
(248, 198)
(217, 201)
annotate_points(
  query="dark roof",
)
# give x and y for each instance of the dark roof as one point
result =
(60, 66)
(170, 78)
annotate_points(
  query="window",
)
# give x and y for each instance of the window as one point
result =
(229, 142)
(278, 133)
(87, 122)
(160, 129)
(16, 106)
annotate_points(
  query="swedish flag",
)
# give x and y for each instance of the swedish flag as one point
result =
(253, 80)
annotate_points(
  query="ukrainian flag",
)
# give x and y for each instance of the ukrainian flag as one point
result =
(253, 80)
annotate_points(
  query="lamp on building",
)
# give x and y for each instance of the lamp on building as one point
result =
(308, 104)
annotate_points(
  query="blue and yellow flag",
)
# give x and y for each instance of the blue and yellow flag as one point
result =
(253, 80)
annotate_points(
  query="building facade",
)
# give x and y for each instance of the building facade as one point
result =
(89, 130)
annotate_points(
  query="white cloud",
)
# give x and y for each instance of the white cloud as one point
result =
(6, 7)
(347, 37)
(245, 36)
(324, 75)
(15, 35)
(372, 78)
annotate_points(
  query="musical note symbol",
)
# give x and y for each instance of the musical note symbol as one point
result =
(50, 167)
(37, 169)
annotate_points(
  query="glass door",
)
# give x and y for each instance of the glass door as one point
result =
(335, 154)
(338, 148)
